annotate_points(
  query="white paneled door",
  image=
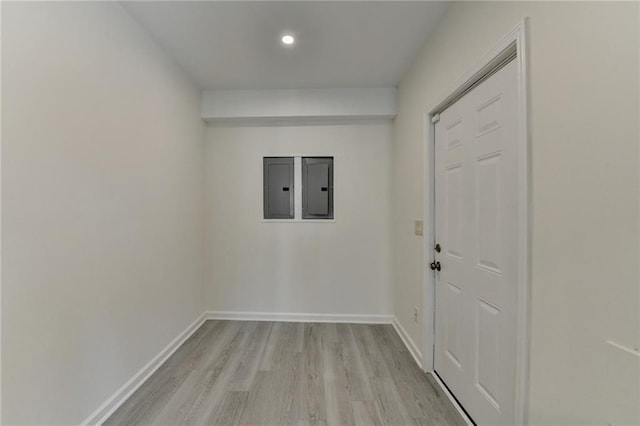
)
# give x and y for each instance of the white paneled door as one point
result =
(476, 185)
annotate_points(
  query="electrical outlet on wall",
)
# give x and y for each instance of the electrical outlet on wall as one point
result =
(415, 313)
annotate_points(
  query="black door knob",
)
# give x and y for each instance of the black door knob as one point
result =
(435, 266)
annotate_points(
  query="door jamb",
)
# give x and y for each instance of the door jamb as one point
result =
(514, 41)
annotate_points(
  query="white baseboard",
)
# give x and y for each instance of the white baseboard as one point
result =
(121, 395)
(299, 317)
(408, 342)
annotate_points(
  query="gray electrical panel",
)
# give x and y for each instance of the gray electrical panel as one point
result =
(278, 187)
(317, 187)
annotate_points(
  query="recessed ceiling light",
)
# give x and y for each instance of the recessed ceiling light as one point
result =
(288, 39)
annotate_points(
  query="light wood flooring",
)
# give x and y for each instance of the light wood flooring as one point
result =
(279, 373)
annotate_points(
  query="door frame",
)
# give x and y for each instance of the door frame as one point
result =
(514, 42)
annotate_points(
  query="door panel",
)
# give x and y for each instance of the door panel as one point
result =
(453, 323)
(487, 204)
(453, 185)
(476, 226)
(278, 187)
(317, 178)
(317, 187)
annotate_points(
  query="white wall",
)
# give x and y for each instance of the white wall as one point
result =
(228, 105)
(320, 268)
(584, 156)
(102, 197)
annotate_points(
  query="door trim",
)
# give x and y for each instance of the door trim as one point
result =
(513, 43)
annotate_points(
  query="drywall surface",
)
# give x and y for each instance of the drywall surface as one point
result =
(310, 103)
(583, 69)
(340, 267)
(102, 197)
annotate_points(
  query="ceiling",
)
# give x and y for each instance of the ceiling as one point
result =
(236, 44)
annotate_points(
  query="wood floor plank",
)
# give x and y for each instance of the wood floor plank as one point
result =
(420, 391)
(219, 346)
(329, 333)
(256, 340)
(448, 414)
(336, 388)
(177, 409)
(271, 346)
(230, 371)
(271, 399)
(367, 413)
(392, 408)
(418, 396)
(230, 409)
(373, 361)
(309, 399)
(353, 365)
(244, 372)
(281, 347)
(204, 388)
(309, 423)
(299, 336)
(145, 404)
(401, 368)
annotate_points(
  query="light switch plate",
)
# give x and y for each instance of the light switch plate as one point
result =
(418, 227)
